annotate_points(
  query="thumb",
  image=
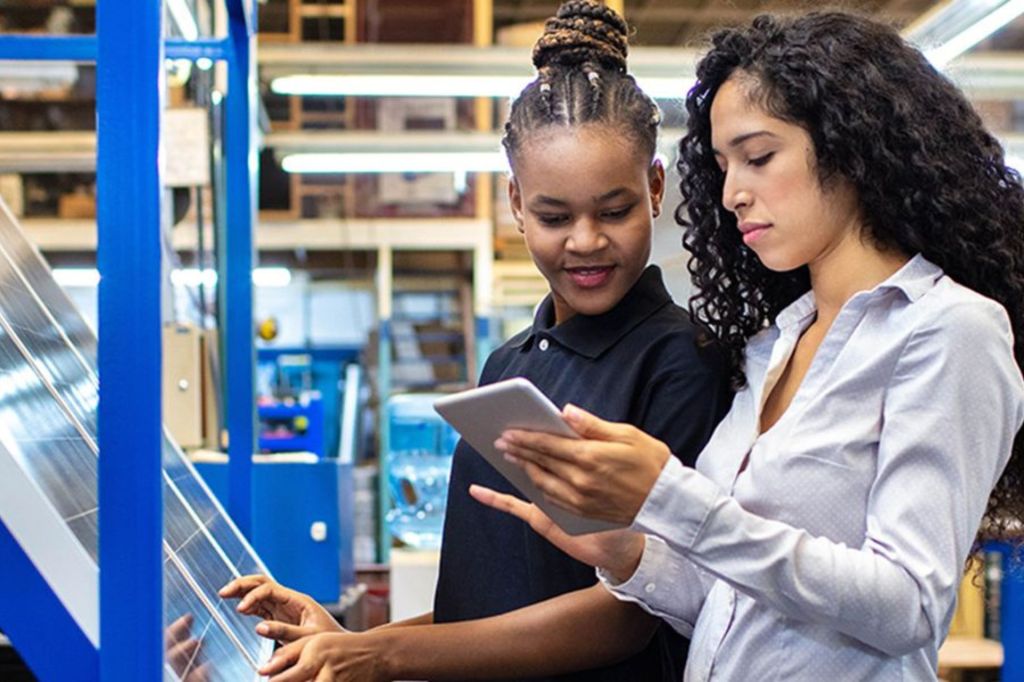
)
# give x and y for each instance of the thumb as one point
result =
(588, 425)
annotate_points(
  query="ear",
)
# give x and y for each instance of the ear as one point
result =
(656, 186)
(515, 202)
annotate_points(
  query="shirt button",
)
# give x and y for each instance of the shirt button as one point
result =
(650, 587)
(544, 344)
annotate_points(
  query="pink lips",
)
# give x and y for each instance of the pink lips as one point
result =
(753, 231)
(590, 277)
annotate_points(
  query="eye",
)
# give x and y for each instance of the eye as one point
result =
(761, 160)
(617, 213)
(552, 219)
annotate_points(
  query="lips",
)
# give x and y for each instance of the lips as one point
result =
(591, 276)
(753, 231)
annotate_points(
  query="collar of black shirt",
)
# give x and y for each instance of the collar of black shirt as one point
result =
(592, 335)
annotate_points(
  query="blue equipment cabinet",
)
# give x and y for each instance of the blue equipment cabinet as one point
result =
(301, 522)
(292, 427)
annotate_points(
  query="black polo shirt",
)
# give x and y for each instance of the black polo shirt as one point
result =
(640, 363)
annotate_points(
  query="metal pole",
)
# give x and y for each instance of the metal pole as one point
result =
(129, 94)
(235, 268)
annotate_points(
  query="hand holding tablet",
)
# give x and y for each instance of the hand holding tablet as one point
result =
(482, 414)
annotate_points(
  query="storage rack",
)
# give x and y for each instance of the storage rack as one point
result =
(129, 51)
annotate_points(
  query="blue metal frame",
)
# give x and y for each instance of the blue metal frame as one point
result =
(83, 48)
(32, 610)
(129, 50)
(235, 267)
(129, 104)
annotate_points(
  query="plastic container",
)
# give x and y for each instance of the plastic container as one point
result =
(418, 466)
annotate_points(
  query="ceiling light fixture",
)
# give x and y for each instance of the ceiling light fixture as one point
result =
(183, 19)
(956, 26)
(412, 162)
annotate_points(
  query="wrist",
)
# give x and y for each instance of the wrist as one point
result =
(385, 647)
(634, 552)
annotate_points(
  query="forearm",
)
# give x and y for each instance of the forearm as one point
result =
(423, 619)
(575, 631)
(859, 591)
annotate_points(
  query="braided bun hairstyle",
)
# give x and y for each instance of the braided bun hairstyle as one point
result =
(581, 78)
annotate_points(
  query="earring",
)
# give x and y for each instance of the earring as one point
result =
(656, 211)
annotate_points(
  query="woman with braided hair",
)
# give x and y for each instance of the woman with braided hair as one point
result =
(584, 191)
(857, 246)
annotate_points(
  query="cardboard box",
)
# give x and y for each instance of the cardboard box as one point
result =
(79, 204)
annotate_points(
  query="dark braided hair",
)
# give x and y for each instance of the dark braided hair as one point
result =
(929, 177)
(581, 78)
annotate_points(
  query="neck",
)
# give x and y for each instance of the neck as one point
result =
(853, 265)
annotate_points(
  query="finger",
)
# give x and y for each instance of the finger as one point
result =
(556, 490)
(324, 675)
(241, 586)
(575, 474)
(593, 427)
(283, 632)
(178, 630)
(302, 671)
(182, 654)
(199, 674)
(283, 658)
(266, 596)
(535, 445)
(510, 504)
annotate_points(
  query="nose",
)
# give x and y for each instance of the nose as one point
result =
(586, 236)
(734, 196)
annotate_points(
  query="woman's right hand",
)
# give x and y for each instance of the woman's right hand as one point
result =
(616, 551)
(288, 615)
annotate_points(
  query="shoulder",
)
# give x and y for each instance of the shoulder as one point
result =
(501, 356)
(953, 316)
(676, 343)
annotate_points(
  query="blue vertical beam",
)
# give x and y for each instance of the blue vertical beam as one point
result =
(235, 268)
(129, 95)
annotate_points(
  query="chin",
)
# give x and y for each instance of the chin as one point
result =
(594, 307)
(777, 262)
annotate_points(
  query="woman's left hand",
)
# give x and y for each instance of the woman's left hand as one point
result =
(606, 474)
(326, 657)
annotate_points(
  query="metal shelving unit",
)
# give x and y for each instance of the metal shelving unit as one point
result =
(129, 50)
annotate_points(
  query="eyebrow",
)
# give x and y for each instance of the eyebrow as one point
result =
(740, 139)
(552, 201)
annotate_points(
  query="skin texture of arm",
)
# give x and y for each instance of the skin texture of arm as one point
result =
(578, 630)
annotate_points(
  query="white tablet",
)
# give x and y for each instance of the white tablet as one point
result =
(482, 414)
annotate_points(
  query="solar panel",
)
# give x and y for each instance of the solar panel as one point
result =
(48, 427)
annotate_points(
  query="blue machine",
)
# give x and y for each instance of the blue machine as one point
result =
(301, 522)
(292, 426)
(303, 383)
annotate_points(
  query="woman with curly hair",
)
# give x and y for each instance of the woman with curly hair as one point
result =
(857, 247)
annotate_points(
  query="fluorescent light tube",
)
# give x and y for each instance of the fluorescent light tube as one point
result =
(76, 277)
(271, 277)
(382, 85)
(413, 162)
(411, 85)
(261, 277)
(951, 29)
(183, 19)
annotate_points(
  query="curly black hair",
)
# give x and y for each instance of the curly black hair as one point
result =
(930, 179)
(582, 78)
